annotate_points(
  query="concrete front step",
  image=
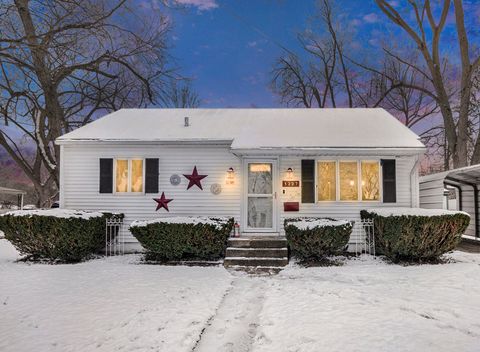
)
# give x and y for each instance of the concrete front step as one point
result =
(257, 252)
(255, 261)
(258, 242)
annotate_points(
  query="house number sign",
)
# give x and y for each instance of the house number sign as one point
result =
(290, 183)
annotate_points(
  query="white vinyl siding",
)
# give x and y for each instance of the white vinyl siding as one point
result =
(81, 181)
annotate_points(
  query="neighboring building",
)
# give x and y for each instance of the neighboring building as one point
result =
(455, 189)
(262, 165)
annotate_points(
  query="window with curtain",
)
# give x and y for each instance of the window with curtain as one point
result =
(327, 180)
(129, 175)
(348, 179)
(121, 176)
(137, 176)
(370, 180)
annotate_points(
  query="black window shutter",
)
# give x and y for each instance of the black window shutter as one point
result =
(389, 181)
(308, 181)
(106, 175)
(151, 175)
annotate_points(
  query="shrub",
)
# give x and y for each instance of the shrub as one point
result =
(56, 234)
(183, 238)
(315, 238)
(406, 234)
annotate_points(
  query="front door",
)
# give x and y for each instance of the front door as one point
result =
(260, 196)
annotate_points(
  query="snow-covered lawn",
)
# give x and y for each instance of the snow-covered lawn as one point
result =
(113, 304)
(104, 305)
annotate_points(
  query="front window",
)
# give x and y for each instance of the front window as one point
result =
(348, 180)
(327, 180)
(121, 176)
(348, 177)
(370, 180)
(129, 175)
(137, 176)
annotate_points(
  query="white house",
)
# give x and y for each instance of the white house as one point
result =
(455, 189)
(260, 165)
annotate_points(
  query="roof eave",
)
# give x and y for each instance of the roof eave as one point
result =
(342, 150)
(86, 141)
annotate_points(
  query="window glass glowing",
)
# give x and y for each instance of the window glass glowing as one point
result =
(370, 180)
(137, 176)
(121, 176)
(327, 180)
(348, 178)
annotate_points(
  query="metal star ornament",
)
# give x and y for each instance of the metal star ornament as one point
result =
(194, 179)
(162, 202)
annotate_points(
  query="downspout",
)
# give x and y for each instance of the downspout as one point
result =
(459, 190)
(413, 189)
(475, 200)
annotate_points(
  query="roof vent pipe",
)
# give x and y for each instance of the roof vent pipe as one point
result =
(187, 121)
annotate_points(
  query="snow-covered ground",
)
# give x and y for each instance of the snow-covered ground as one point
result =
(104, 305)
(113, 304)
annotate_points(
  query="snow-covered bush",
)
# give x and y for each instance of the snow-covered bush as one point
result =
(55, 234)
(315, 238)
(414, 234)
(176, 238)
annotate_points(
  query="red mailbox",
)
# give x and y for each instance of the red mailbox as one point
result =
(291, 206)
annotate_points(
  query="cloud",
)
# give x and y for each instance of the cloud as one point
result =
(202, 5)
(355, 22)
(252, 44)
(371, 18)
(394, 3)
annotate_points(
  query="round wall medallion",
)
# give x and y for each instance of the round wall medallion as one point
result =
(216, 188)
(175, 180)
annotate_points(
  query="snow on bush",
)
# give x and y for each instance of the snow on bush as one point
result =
(55, 234)
(315, 238)
(176, 238)
(57, 213)
(310, 223)
(413, 212)
(193, 220)
(412, 234)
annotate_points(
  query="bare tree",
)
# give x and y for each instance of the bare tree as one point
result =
(325, 77)
(182, 95)
(425, 32)
(63, 62)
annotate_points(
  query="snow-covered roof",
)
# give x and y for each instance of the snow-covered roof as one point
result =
(253, 128)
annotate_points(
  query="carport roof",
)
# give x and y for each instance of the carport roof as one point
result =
(468, 174)
(5, 190)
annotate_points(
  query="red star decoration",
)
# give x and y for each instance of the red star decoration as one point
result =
(162, 202)
(195, 179)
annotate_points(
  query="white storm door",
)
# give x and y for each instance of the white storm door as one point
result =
(260, 196)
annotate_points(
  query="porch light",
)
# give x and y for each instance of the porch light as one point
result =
(289, 173)
(230, 176)
(352, 183)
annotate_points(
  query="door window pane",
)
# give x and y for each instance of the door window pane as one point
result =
(137, 176)
(260, 178)
(327, 180)
(121, 176)
(370, 180)
(348, 173)
(260, 212)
